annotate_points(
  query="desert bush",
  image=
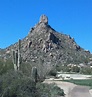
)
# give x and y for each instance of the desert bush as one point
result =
(5, 66)
(16, 84)
(49, 90)
(65, 68)
(75, 69)
(86, 70)
(26, 68)
(53, 72)
(59, 67)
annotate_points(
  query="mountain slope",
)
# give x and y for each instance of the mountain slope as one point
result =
(45, 47)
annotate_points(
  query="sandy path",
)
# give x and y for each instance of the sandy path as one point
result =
(80, 91)
(72, 90)
(66, 86)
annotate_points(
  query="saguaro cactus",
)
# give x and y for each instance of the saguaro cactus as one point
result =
(16, 56)
(34, 74)
(15, 59)
(19, 53)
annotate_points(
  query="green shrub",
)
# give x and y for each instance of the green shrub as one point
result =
(26, 68)
(75, 69)
(5, 66)
(53, 72)
(59, 67)
(49, 90)
(86, 70)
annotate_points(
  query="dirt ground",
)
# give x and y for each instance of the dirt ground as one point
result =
(72, 90)
(80, 91)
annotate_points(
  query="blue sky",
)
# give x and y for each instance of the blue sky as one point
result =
(72, 17)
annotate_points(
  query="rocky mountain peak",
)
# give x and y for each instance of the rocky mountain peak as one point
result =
(43, 19)
(43, 36)
(41, 27)
(45, 47)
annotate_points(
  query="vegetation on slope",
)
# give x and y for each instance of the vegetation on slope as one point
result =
(20, 83)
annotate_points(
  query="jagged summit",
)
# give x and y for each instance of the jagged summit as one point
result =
(45, 47)
(43, 19)
(41, 26)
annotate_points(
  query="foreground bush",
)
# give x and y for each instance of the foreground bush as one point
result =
(16, 84)
(49, 90)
